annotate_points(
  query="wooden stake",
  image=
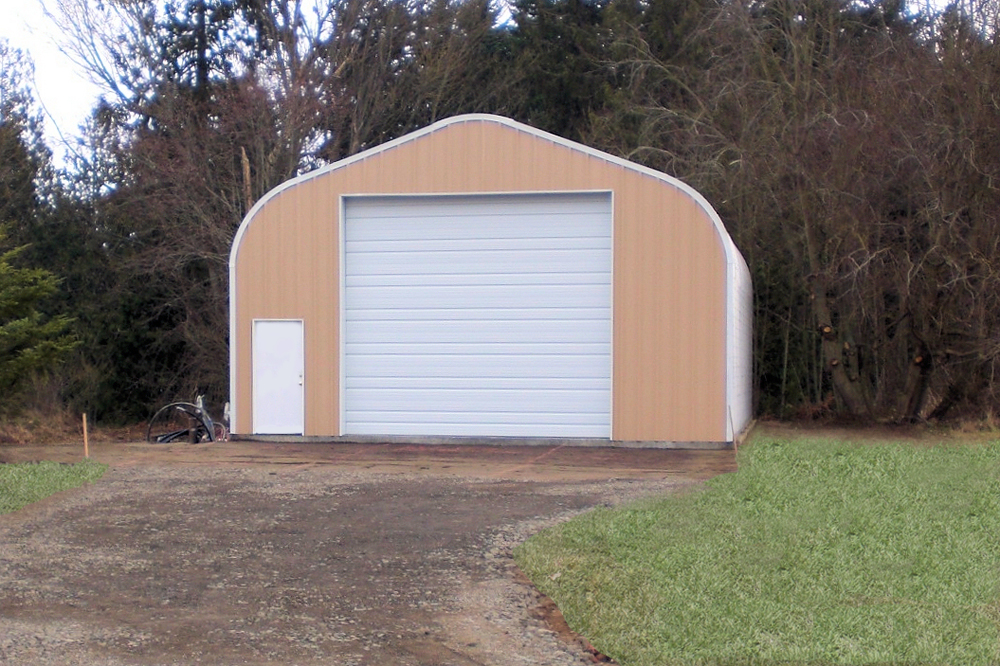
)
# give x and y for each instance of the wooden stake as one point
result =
(86, 443)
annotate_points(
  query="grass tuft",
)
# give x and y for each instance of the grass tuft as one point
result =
(814, 552)
(24, 483)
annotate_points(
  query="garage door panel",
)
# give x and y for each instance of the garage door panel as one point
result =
(533, 244)
(458, 205)
(484, 383)
(538, 276)
(450, 215)
(446, 318)
(500, 400)
(477, 429)
(414, 331)
(473, 424)
(581, 224)
(484, 315)
(415, 233)
(473, 366)
(472, 296)
(465, 417)
(523, 350)
(458, 263)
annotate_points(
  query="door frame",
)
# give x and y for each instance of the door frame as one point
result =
(253, 372)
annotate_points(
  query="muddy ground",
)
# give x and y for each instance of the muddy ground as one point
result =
(255, 553)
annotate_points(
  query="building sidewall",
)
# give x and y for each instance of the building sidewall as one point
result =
(670, 284)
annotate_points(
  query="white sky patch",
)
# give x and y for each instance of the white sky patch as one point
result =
(62, 88)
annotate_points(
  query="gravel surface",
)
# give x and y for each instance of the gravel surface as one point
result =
(288, 564)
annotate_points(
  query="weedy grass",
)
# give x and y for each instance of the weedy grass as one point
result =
(24, 483)
(814, 552)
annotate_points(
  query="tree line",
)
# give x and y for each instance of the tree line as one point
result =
(851, 148)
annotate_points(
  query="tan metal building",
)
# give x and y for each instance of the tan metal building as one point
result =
(483, 279)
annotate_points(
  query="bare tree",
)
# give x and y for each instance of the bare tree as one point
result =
(862, 194)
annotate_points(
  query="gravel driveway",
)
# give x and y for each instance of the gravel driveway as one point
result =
(251, 553)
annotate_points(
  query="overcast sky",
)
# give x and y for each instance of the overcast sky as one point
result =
(61, 88)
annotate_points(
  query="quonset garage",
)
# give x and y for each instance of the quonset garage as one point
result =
(483, 279)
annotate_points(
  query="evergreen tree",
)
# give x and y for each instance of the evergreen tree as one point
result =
(29, 342)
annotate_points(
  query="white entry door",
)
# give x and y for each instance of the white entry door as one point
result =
(278, 373)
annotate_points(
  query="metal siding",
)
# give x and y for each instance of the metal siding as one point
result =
(670, 333)
(486, 315)
(739, 379)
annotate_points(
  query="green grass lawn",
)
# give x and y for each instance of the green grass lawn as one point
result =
(814, 552)
(24, 483)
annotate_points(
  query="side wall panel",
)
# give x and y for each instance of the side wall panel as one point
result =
(740, 373)
(669, 295)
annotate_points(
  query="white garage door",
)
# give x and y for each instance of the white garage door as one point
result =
(478, 316)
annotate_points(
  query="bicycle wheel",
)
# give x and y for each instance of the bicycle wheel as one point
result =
(180, 422)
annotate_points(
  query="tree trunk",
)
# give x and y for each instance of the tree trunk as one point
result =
(848, 391)
(915, 391)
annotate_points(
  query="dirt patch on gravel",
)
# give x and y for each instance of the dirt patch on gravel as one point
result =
(392, 559)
